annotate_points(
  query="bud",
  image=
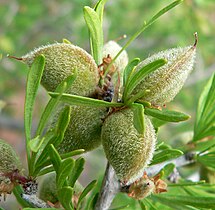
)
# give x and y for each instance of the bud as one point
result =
(145, 186)
(84, 129)
(112, 48)
(9, 163)
(164, 83)
(128, 151)
(61, 61)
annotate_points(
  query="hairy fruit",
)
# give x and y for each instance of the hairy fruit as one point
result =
(84, 129)
(61, 61)
(128, 151)
(163, 84)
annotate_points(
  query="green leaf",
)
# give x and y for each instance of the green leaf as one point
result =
(138, 118)
(167, 115)
(205, 118)
(78, 168)
(207, 159)
(36, 143)
(166, 155)
(66, 41)
(63, 156)
(84, 101)
(65, 197)
(140, 75)
(44, 171)
(94, 24)
(55, 157)
(128, 70)
(62, 123)
(52, 104)
(65, 169)
(142, 205)
(144, 27)
(99, 8)
(72, 153)
(167, 170)
(195, 201)
(41, 156)
(55, 137)
(205, 145)
(92, 203)
(149, 204)
(120, 207)
(187, 183)
(33, 81)
(40, 208)
(88, 188)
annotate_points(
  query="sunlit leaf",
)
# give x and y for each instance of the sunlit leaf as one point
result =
(84, 101)
(138, 117)
(96, 32)
(88, 188)
(166, 155)
(167, 115)
(65, 169)
(33, 82)
(65, 197)
(139, 77)
(78, 168)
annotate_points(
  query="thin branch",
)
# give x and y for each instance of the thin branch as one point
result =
(35, 201)
(111, 186)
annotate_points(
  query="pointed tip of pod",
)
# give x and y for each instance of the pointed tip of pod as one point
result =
(196, 39)
(14, 57)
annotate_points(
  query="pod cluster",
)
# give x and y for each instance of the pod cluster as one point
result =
(127, 150)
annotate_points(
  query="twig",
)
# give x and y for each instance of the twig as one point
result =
(35, 201)
(111, 186)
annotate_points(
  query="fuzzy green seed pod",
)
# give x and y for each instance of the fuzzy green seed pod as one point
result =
(84, 129)
(128, 151)
(9, 163)
(61, 61)
(48, 189)
(112, 48)
(167, 81)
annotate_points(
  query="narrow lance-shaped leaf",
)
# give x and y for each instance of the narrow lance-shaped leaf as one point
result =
(204, 125)
(36, 143)
(96, 33)
(53, 102)
(65, 197)
(84, 101)
(138, 117)
(78, 168)
(207, 160)
(55, 157)
(196, 201)
(65, 169)
(33, 81)
(88, 188)
(99, 8)
(167, 115)
(166, 155)
(145, 26)
(140, 75)
(128, 70)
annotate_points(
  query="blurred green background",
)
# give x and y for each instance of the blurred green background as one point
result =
(25, 25)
